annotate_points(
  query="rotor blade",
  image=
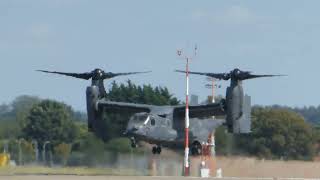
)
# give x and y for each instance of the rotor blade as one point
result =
(252, 76)
(85, 76)
(219, 76)
(111, 75)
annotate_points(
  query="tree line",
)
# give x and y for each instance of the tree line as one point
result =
(277, 132)
(310, 113)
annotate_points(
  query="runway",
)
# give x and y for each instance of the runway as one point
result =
(64, 177)
(72, 177)
(239, 168)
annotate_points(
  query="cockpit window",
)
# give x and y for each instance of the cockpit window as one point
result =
(143, 118)
(140, 118)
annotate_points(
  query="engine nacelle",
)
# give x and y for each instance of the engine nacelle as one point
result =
(92, 97)
(238, 106)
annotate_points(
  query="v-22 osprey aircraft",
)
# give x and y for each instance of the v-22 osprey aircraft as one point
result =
(163, 126)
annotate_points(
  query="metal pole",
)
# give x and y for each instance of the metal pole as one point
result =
(186, 152)
(213, 90)
(20, 150)
(36, 150)
(20, 153)
(186, 138)
(44, 151)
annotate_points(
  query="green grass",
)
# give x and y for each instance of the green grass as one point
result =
(81, 171)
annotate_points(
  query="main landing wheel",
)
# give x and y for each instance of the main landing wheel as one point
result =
(133, 142)
(196, 148)
(156, 150)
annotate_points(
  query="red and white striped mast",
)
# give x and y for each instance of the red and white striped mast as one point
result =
(186, 137)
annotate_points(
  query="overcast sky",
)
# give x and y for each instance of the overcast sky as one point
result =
(277, 37)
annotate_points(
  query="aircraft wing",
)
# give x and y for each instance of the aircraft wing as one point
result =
(201, 111)
(120, 107)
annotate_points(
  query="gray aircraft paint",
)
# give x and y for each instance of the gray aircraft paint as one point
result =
(164, 125)
(238, 105)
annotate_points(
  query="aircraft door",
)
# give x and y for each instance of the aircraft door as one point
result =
(162, 129)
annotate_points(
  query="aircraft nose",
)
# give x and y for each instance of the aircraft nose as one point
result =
(130, 131)
(134, 129)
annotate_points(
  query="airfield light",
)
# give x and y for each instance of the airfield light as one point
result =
(180, 53)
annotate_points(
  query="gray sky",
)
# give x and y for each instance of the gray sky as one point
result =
(279, 37)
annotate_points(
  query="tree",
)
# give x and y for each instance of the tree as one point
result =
(279, 133)
(50, 121)
(24, 103)
(310, 113)
(4, 109)
(21, 107)
(9, 128)
(145, 94)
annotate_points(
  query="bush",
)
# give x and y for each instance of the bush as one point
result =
(92, 150)
(120, 145)
(76, 159)
(61, 153)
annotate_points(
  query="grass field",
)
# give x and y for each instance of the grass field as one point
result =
(79, 171)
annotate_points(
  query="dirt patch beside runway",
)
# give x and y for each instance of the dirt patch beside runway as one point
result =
(162, 166)
(251, 167)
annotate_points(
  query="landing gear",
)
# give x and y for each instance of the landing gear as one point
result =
(133, 142)
(156, 150)
(196, 149)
